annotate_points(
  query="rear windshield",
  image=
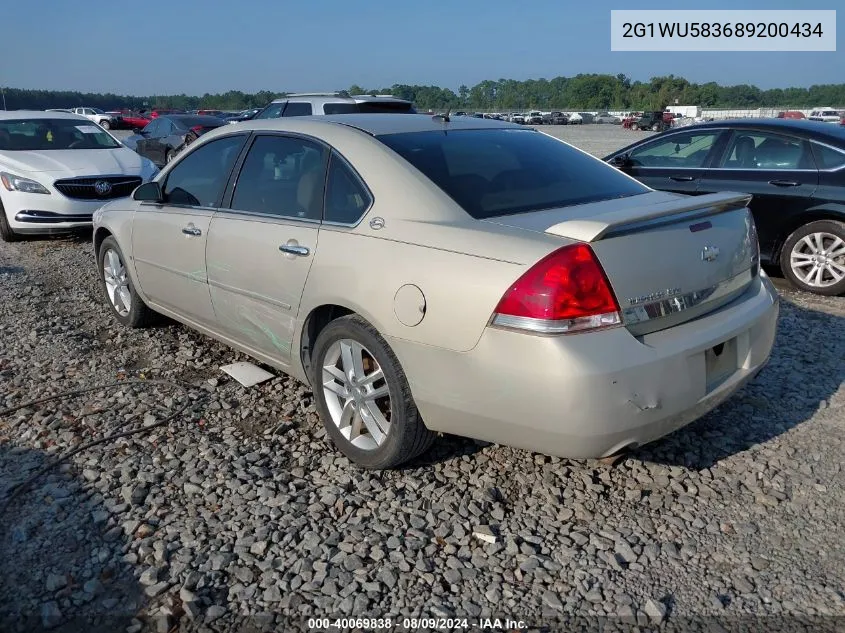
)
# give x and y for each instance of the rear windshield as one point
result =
(369, 107)
(506, 171)
(45, 134)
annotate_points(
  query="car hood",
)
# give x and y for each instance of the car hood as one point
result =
(78, 162)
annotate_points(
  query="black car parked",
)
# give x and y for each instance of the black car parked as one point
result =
(555, 118)
(794, 169)
(166, 135)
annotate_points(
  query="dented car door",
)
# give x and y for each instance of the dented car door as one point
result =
(261, 247)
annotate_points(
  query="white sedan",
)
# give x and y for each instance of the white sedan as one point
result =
(56, 169)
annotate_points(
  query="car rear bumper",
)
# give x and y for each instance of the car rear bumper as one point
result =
(591, 395)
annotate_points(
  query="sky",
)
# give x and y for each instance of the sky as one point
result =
(196, 46)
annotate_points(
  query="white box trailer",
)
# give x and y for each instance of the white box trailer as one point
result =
(686, 111)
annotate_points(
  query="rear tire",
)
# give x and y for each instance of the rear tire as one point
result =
(406, 436)
(169, 156)
(119, 288)
(105, 125)
(816, 246)
(655, 127)
(6, 232)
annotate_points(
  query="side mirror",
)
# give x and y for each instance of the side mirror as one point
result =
(621, 160)
(148, 192)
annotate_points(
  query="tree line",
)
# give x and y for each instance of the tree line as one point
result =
(582, 92)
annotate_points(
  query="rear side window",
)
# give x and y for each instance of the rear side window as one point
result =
(298, 109)
(827, 157)
(199, 178)
(505, 171)
(376, 107)
(346, 197)
(282, 176)
(340, 108)
(763, 150)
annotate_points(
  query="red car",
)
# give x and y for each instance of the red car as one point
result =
(791, 114)
(135, 120)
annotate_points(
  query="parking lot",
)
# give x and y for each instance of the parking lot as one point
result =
(233, 509)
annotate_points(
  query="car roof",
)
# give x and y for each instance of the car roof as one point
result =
(339, 98)
(6, 115)
(377, 124)
(811, 129)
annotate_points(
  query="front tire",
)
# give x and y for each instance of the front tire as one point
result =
(363, 396)
(6, 232)
(169, 156)
(813, 257)
(127, 306)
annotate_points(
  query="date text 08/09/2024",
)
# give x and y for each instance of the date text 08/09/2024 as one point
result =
(414, 624)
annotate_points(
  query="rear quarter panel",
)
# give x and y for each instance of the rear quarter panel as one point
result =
(364, 273)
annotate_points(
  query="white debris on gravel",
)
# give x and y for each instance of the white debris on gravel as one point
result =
(211, 517)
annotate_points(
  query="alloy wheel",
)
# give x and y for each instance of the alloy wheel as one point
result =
(357, 394)
(818, 259)
(117, 282)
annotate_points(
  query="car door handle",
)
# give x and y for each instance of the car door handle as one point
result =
(784, 183)
(191, 230)
(293, 249)
(682, 178)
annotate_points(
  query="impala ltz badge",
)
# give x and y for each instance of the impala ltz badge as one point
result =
(709, 253)
(102, 187)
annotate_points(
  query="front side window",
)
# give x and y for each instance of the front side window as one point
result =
(199, 178)
(346, 197)
(762, 150)
(40, 135)
(282, 176)
(272, 111)
(504, 171)
(298, 108)
(680, 150)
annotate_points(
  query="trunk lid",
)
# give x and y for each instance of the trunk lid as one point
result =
(669, 258)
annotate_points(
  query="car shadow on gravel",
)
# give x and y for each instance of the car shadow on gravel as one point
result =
(805, 370)
(60, 552)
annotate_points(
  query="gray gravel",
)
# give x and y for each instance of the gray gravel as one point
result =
(238, 515)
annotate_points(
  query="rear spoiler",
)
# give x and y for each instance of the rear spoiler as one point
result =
(635, 219)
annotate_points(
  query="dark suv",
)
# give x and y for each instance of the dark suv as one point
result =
(555, 118)
(653, 121)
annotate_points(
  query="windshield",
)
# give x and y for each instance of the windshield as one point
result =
(505, 171)
(46, 134)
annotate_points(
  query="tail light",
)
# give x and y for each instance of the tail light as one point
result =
(566, 291)
(198, 129)
(754, 245)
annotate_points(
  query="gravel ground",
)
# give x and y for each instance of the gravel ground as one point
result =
(236, 514)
